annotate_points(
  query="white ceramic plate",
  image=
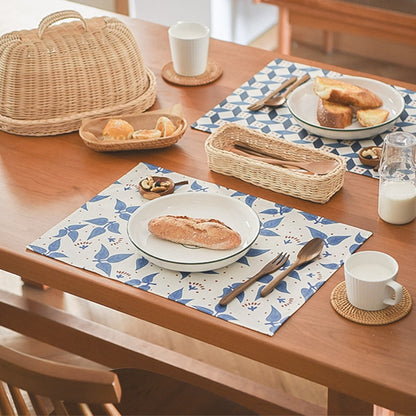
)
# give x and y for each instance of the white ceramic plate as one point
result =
(232, 212)
(303, 103)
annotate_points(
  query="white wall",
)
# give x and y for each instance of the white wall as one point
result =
(167, 12)
(239, 21)
(101, 4)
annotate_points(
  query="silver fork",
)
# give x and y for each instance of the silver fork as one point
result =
(270, 267)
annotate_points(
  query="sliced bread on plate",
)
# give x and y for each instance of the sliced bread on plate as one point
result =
(333, 115)
(337, 91)
(372, 117)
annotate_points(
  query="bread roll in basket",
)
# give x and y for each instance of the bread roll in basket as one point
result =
(91, 131)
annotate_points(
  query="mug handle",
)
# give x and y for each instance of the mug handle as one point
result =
(398, 292)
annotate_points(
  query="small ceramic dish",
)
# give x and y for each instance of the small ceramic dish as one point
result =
(370, 156)
(92, 128)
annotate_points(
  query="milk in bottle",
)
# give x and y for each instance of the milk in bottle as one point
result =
(397, 188)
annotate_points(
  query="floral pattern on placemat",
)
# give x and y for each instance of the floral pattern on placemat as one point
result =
(95, 238)
(233, 109)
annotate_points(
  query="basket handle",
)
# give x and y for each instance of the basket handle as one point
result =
(56, 17)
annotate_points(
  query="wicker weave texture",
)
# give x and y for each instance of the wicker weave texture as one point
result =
(91, 132)
(339, 301)
(315, 188)
(53, 76)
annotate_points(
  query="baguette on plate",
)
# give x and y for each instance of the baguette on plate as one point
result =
(337, 91)
(207, 233)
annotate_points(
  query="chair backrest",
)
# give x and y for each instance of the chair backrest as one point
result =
(31, 385)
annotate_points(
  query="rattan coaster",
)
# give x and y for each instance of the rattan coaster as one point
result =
(388, 315)
(212, 73)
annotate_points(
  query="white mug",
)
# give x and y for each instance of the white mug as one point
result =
(189, 43)
(370, 280)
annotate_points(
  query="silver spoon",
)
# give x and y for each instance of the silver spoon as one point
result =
(308, 252)
(281, 99)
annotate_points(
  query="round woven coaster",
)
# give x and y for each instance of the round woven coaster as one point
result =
(340, 303)
(212, 73)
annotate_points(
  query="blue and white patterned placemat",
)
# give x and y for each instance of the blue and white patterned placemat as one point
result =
(95, 238)
(279, 120)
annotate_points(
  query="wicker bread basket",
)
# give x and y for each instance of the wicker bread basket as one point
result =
(54, 76)
(91, 132)
(315, 188)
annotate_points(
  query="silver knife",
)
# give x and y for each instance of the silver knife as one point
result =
(261, 103)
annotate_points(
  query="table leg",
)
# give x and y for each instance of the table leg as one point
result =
(122, 7)
(342, 405)
(285, 31)
(328, 41)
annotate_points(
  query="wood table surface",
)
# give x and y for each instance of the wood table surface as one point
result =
(44, 179)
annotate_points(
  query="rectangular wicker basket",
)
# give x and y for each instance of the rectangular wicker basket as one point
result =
(315, 188)
(54, 76)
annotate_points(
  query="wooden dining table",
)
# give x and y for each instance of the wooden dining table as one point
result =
(44, 179)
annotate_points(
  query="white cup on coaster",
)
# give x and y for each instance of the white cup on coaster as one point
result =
(189, 43)
(370, 279)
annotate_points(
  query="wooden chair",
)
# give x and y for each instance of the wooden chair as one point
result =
(158, 381)
(60, 383)
(32, 385)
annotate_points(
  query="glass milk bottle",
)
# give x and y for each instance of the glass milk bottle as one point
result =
(397, 187)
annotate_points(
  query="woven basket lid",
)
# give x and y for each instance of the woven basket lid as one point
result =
(60, 73)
